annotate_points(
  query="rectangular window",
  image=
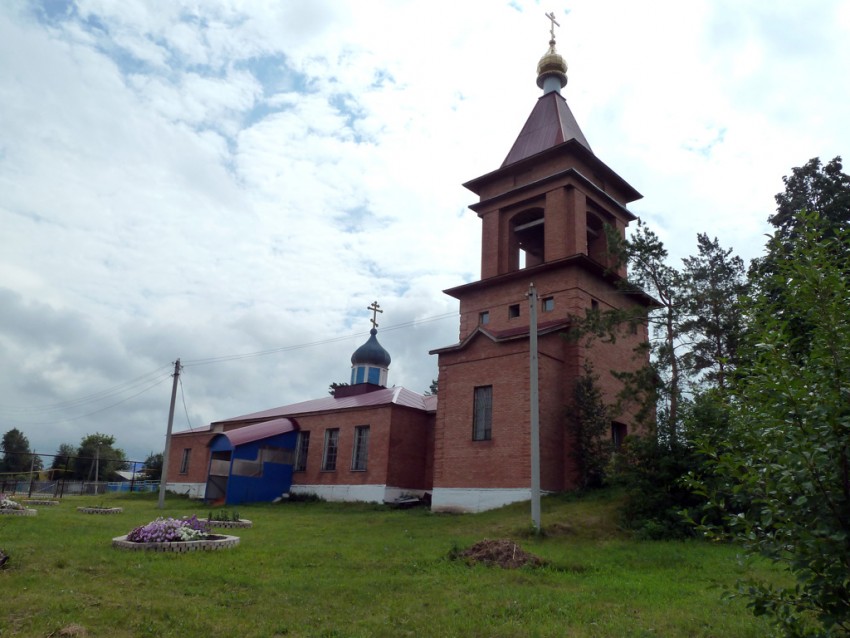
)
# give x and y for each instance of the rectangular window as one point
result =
(513, 311)
(482, 413)
(331, 446)
(548, 304)
(360, 453)
(618, 434)
(302, 447)
(484, 317)
(594, 305)
(184, 460)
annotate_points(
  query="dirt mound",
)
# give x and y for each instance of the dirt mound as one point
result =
(502, 552)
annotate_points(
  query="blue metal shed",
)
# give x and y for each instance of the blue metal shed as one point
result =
(252, 463)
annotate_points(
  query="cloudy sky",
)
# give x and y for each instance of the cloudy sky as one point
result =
(233, 183)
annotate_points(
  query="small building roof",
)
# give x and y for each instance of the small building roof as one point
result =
(259, 431)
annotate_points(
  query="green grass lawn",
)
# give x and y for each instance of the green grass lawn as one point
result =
(322, 569)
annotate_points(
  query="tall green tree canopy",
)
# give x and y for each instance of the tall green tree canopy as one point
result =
(64, 457)
(17, 455)
(153, 466)
(816, 188)
(714, 280)
(787, 456)
(98, 451)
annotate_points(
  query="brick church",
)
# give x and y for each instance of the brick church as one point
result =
(543, 214)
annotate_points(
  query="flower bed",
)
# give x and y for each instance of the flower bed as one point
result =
(211, 543)
(22, 512)
(39, 501)
(9, 507)
(100, 510)
(174, 535)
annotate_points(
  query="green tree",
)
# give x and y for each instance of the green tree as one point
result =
(714, 280)
(433, 388)
(332, 388)
(98, 451)
(153, 466)
(17, 455)
(648, 271)
(815, 188)
(590, 424)
(64, 460)
(787, 454)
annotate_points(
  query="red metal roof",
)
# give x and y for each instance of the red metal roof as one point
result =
(386, 396)
(258, 431)
(551, 122)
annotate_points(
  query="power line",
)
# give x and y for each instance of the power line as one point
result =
(112, 405)
(301, 346)
(91, 398)
(138, 381)
(185, 409)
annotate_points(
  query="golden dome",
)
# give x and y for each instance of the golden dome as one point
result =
(552, 65)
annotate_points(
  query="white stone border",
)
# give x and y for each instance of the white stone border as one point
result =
(23, 512)
(46, 503)
(100, 510)
(221, 541)
(242, 522)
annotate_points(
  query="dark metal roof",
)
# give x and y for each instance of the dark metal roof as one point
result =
(551, 123)
(259, 431)
(386, 396)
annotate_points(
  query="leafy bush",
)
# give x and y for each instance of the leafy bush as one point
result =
(223, 516)
(788, 452)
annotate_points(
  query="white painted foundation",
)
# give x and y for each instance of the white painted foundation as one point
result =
(469, 500)
(354, 493)
(192, 490)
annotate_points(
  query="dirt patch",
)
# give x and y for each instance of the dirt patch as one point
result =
(501, 552)
(71, 631)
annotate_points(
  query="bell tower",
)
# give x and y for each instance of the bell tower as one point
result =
(544, 214)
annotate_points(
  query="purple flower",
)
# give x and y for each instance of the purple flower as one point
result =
(169, 530)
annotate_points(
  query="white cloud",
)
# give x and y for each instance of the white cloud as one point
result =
(197, 180)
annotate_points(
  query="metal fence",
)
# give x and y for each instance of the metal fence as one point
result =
(58, 489)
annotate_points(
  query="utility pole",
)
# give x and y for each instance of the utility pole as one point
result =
(535, 408)
(97, 468)
(32, 471)
(164, 474)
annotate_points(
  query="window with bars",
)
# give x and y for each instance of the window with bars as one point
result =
(482, 413)
(302, 446)
(331, 448)
(360, 452)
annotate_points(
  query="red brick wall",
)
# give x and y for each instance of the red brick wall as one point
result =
(379, 422)
(199, 457)
(500, 462)
(409, 458)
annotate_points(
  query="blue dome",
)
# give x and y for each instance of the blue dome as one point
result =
(371, 353)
